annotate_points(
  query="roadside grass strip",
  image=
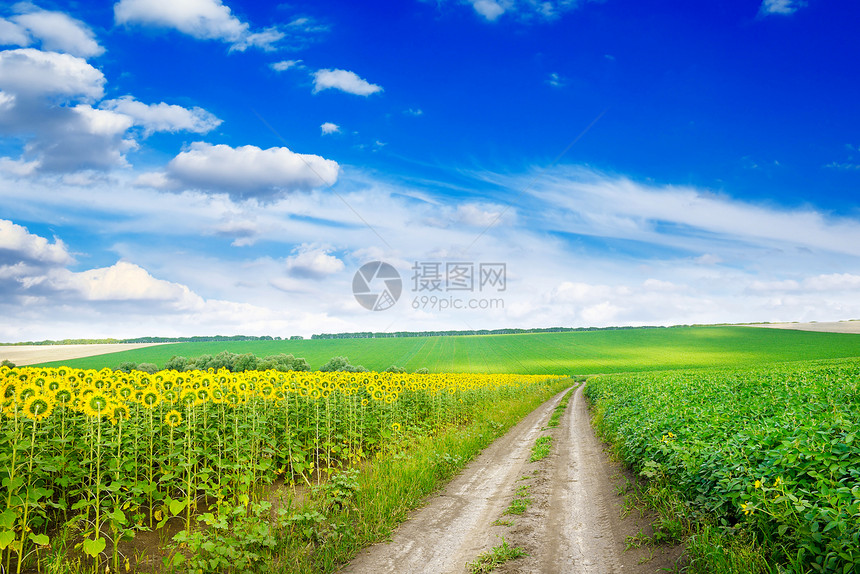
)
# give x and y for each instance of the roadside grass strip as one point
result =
(498, 555)
(756, 469)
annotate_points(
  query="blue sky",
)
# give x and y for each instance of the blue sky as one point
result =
(211, 167)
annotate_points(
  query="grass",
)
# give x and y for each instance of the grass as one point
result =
(555, 419)
(521, 501)
(585, 352)
(498, 555)
(540, 450)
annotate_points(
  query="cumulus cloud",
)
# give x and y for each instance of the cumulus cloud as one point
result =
(34, 73)
(163, 117)
(18, 245)
(56, 31)
(313, 262)
(344, 81)
(46, 100)
(249, 171)
(201, 19)
(329, 128)
(784, 7)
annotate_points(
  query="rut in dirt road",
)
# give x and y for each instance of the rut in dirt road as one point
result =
(573, 525)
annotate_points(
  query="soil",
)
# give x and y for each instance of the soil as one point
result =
(852, 326)
(23, 355)
(575, 523)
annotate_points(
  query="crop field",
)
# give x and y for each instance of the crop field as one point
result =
(770, 454)
(91, 458)
(586, 352)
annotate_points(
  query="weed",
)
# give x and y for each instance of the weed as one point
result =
(540, 450)
(498, 555)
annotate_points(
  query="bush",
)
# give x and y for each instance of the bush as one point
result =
(176, 364)
(150, 368)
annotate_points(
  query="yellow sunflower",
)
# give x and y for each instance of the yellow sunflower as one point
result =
(173, 418)
(38, 407)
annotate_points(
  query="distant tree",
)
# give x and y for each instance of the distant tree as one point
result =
(342, 364)
(335, 364)
(176, 363)
(395, 369)
(224, 360)
(300, 364)
(7, 363)
(201, 363)
(422, 371)
(150, 368)
(127, 366)
(246, 362)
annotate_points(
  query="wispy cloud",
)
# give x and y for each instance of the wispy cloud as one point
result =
(784, 7)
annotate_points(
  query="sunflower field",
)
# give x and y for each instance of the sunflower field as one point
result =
(109, 453)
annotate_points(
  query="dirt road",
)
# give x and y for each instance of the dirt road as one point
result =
(574, 523)
(33, 354)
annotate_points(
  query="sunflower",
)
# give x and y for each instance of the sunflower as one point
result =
(26, 391)
(118, 412)
(395, 427)
(38, 407)
(150, 398)
(96, 404)
(173, 418)
(63, 394)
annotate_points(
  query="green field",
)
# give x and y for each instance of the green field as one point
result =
(584, 352)
(770, 451)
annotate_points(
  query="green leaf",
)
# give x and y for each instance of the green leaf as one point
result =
(118, 516)
(7, 518)
(94, 547)
(40, 539)
(6, 538)
(176, 506)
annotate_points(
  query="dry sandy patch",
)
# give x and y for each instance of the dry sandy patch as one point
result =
(34, 354)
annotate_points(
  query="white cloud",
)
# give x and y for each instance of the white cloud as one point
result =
(201, 19)
(34, 73)
(585, 201)
(249, 171)
(783, 7)
(555, 80)
(164, 117)
(17, 244)
(329, 128)
(13, 34)
(284, 65)
(313, 262)
(492, 10)
(345, 81)
(57, 32)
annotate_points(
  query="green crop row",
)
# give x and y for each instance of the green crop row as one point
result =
(772, 451)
